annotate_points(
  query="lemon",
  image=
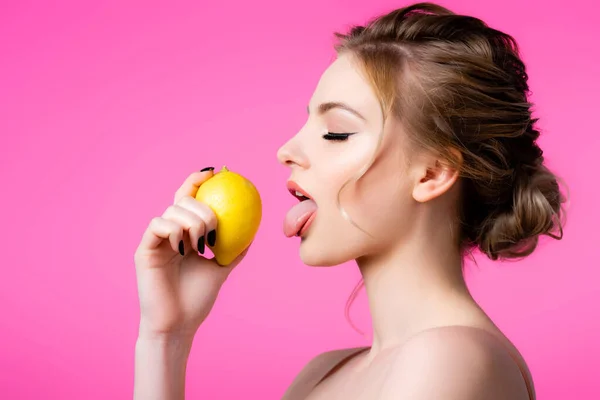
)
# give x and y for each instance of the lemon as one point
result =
(238, 207)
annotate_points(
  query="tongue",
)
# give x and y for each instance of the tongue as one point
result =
(297, 217)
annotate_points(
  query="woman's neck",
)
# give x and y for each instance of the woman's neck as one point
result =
(415, 286)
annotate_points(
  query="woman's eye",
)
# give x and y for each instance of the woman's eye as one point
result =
(337, 136)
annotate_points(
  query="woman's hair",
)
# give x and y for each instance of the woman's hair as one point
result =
(455, 84)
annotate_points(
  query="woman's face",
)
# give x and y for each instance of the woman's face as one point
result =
(380, 203)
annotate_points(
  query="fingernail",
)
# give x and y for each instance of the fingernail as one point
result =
(211, 238)
(181, 247)
(207, 169)
(201, 245)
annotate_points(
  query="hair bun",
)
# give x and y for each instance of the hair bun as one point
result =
(535, 211)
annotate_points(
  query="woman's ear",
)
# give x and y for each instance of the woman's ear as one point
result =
(435, 175)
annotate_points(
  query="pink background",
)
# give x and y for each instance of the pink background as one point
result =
(105, 108)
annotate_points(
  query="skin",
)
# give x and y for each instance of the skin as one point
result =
(430, 338)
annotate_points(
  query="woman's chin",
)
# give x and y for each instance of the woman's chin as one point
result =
(317, 254)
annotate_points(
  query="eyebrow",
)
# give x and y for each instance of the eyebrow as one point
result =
(330, 105)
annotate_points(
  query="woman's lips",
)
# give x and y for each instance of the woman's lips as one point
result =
(301, 215)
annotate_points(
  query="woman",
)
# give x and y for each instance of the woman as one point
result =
(419, 147)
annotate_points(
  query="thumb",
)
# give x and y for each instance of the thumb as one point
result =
(239, 258)
(243, 254)
(226, 269)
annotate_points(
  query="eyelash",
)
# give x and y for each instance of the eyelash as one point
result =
(339, 137)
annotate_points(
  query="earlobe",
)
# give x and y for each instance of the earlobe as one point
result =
(435, 179)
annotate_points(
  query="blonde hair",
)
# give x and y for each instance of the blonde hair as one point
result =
(456, 84)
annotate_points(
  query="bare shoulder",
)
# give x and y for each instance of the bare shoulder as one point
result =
(455, 363)
(314, 370)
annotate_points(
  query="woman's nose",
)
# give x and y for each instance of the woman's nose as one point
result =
(290, 154)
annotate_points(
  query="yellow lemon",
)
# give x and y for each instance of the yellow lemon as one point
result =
(238, 207)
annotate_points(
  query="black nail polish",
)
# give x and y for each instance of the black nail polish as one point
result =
(181, 247)
(201, 245)
(207, 169)
(211, 238)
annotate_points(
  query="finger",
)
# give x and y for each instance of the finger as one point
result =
(205, 213)
(160, 230)
(192, 183)
(191, 223)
